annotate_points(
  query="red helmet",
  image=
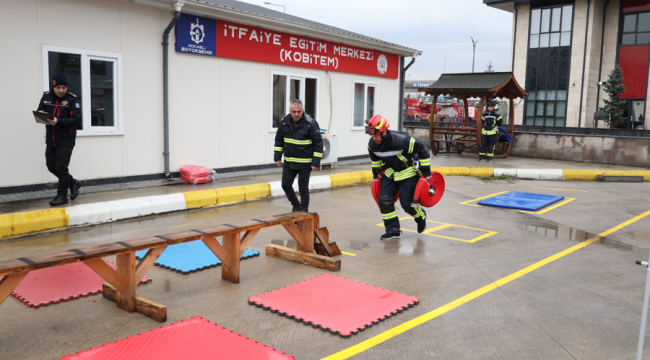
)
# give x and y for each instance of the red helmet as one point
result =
(376, 125)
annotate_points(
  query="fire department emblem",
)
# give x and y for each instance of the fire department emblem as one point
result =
(382, 64)
(196, 32)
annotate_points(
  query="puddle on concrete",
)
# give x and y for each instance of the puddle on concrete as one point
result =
(405, 246)
(358, 245)
(568, 233)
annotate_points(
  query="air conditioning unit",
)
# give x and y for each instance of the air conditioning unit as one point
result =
(330, 150)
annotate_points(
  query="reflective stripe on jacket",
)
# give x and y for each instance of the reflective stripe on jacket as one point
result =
(395, 155)
(491, 122)
(301, 143)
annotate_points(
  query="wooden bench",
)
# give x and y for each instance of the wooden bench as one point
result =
(303, 228)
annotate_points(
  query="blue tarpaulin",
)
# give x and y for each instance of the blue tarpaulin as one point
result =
(521, 201)
(504, 136)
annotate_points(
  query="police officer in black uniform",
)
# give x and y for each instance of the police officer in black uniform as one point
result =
(490, 124)
(65, 115)
(298, 137)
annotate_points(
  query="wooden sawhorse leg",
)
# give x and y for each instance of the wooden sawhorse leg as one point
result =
(9, 283)
(122, 282)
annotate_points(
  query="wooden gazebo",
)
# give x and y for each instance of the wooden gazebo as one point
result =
(464, 86)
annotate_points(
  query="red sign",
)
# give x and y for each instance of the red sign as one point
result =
(254, 44)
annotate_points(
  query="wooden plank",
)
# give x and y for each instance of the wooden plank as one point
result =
(146, 307)
(147, 262)
(232, 244)
(322, 235)
(106, 272)
(306, 227)
(301, 257)
(9, 283)
(295, 233)
(126, 269)
(217, 249)
(246, 240)
(67, 257)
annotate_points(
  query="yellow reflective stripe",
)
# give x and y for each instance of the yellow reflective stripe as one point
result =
(277, 148)
(401, 157)
(389, 215)
(297, 160)
(499, 118)
(317, 154)
(376, 164)
(411, 144)
(405, 174)
(419, 213)
(297, 142)
(425, 162)
(389, 172)
(380, 124)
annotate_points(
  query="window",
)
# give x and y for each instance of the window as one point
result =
(550, 27)
(636, 29)
(95, 77)
(365, 98)
(547, 70)
(286, 87)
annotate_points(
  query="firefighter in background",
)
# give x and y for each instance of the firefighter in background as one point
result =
(398, 155)
(491, 121)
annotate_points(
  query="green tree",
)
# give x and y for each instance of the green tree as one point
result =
(490, 67)
(614, 106)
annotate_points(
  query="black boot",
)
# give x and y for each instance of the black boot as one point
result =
(60, 199)
(296, 208)
(391, 235)
(422, 222)
(74, 189)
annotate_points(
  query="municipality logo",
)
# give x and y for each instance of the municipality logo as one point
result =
(382, 64)
(196, 32)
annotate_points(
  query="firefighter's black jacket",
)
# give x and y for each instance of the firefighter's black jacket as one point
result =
(67, 110)
(300, 142)
(395, 155)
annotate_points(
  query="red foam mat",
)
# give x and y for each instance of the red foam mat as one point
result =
(193, 338)
(53, 285)
(335, 304)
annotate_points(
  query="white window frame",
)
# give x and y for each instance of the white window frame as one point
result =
(302, 78)
(366, 84)
(86, 56)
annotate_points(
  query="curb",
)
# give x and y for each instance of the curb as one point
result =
(22, 223)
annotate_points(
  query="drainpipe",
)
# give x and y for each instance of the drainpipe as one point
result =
(514, 42)
(401, 90)
(600, 67)
(584, 63)
(165, 45)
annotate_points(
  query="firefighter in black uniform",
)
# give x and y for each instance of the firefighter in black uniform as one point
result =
(60, 135)
(396, 153)
(298, 137)
(490, 124)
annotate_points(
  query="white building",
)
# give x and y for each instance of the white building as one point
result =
(233, 68)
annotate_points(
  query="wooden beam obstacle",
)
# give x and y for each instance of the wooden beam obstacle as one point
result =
(121, 283)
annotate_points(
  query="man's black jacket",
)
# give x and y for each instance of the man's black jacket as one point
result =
(67, 110)
(300, 142)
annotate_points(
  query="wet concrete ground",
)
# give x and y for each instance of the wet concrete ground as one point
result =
(585, 305)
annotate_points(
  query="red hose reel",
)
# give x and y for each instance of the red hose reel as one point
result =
(424, 194)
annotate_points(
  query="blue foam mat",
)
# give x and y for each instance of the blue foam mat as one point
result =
(521, 201)
(190, 257)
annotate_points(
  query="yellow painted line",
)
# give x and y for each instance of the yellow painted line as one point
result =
(429, 232)
(568, 200)
(537, 187)
(347, 253)
(484, 197)
(402, 328)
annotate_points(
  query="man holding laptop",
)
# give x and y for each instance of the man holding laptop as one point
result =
(61, 132)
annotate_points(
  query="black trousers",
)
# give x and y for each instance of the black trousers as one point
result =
(487, 145)
(57, 159)
(389, 189)
(288, 176)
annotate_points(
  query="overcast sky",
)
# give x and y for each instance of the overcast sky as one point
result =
(432, 26)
